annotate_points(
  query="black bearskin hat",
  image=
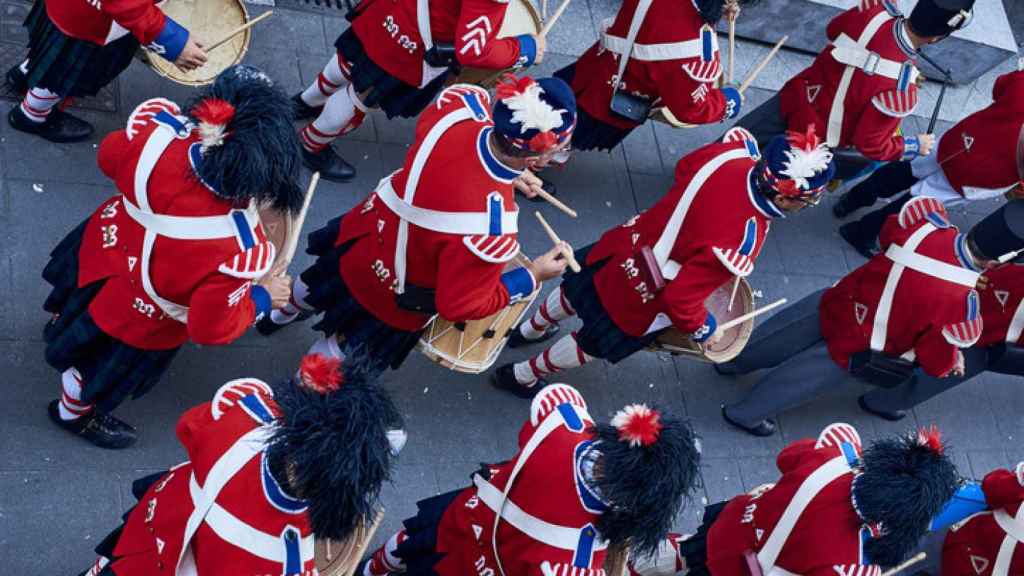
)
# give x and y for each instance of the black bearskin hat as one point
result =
(902, 483)
(649, 464)
(711, 10)
(330, 446)
(941, 17)
(249, 146)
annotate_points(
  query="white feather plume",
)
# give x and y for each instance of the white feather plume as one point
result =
(211, 135)
(530, 111)
(802, 164)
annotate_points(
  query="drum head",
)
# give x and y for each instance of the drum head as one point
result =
(734, 339)
(208, 21)
(335, 558)
(277, 226)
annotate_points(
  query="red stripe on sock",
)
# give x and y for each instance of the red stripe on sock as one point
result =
(316, 132)
(565, 303)
(535, 326)
(309, 144)
(552, 368)
(579, 351)
(533, 368)
(544, 312)
(74, 407)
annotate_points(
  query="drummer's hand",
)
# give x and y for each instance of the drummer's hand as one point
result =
(279, 288)
(528, 184)
(714, 338)
(982, 283)
(542, 45)
(960, 367)
(551, 264)
(731, 10)
(926, 142)
(192, 57)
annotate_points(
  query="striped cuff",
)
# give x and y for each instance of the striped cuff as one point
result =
(261, 298)
(911, 148)
(519, 283)
(171, 40)
(706, 330)
(733, 102)
(527, 50)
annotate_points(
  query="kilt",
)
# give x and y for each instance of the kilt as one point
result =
(591, 133)
(106, 547)
(68, 66)
(419, 550)
(695, 548)
(111, 370)
(365, 336)
(393, 96)
(599, 336)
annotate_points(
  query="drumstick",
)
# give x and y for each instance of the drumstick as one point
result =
(741, 319)
(543, 9)
(556, 202)
(292, 243)
(919, 557)
(554, 18)
(732, 297)
(764, 62)
(558, 242)
(238, 31)
(732, 48)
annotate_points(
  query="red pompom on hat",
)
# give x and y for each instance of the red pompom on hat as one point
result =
(932, 438)
(638, 425)
(320, 373)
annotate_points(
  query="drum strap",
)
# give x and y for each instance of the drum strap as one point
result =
(1014, 528)
(627, 49)
(423, 23)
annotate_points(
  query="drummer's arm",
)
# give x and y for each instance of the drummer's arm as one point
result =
(476, 38)
(469, 286)
(684, 296)
(689, 100)
(229, 300)
(154, 29)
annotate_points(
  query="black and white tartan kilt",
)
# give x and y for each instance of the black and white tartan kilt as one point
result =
(393, 96)
(599, 336)
(419, 550)
(365, 334)
(68, 66)
(591, 133)
(111, 370)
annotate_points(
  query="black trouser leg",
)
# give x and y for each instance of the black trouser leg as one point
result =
(889, 180)
(864, 232)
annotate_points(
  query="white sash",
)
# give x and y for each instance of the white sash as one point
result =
(835, 115)
(1014, 528)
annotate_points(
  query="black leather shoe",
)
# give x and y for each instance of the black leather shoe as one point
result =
(504, 378)
(549, 187)
(266, 326)
(330, 166)
(849, 233)
(517, 340)
(763, 428)
(17, 81)
(303, 111)
(841, 209)
(894, 416)
(103, 430)
(59, 126)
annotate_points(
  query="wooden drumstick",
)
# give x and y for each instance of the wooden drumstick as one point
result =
(238, 31)
(732, 48)
(292, 243)
(732, 297)
(567, 254)
(556, 202)
(761, 65)
(741, 319)
(919, 557)
(554, 17)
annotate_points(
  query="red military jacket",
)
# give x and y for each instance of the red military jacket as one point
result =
(548, 518)
(178, 262)
(102, 22)
(253, 526)
(990, 543)
(828, 534)
(461, 231)
(980, 151)
(845, 102)
(675, 62)
(390, 33)
(710, 226)
(1002, 306)
(897, 308)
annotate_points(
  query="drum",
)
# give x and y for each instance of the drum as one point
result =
(341, 558)
(473, 346)
(734, 339)
(209, 21)
(278, 227)
(520, 18)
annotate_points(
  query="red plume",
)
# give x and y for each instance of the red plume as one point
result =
(806, 141)
(543, 141)
(320, 373)
(932, 438)
(638, 425)
(509, 85)
(214, 111)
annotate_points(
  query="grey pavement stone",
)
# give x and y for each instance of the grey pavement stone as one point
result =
(333, 27)
(305, 29)
(641, 150)
(984, 461)
(574, 32)
(972, 429)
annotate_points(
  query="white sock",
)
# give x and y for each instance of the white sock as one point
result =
(327, 82)
(38, 103)
(384, 561)
(563, 354)
(553, 310)
(342, 114)
(296, 304)
(327, 346)
(71, 406)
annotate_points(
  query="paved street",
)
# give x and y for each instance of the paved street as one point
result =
(60, 496)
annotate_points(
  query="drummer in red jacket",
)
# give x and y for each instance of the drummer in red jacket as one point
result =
(397, 56)
(674, 62)
(270, 470)
(864, 83)
(978, 158)
(915, 304)
(178, 254)
(574, 491)
(990, 543)
(76, 47)
(427, 242)
(656, 270)
(851, 512)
